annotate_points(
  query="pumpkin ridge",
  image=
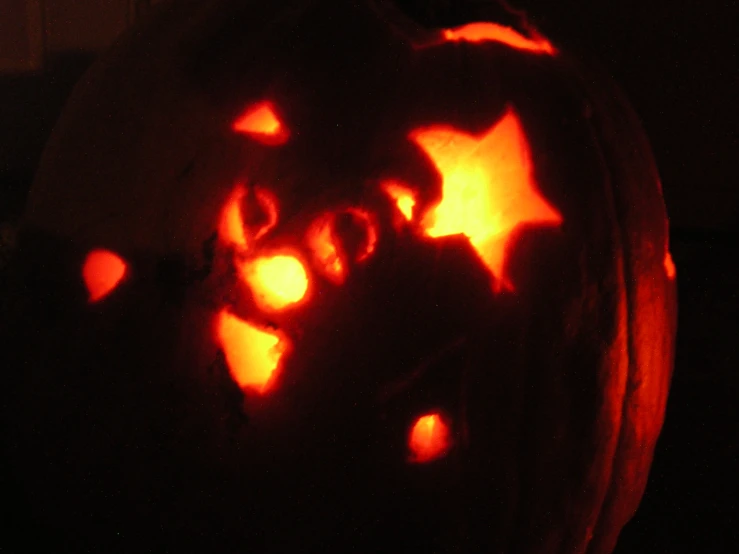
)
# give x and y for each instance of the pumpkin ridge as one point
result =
(618, 506)
(571, 541)
(624, 277)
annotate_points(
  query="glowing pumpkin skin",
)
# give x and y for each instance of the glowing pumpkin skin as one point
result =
(187, 408)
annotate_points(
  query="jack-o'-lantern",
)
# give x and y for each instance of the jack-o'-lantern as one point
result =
(310, 276)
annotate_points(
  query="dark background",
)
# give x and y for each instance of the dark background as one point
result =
(677, 62)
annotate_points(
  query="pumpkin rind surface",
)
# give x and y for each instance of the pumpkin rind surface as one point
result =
(550, 372)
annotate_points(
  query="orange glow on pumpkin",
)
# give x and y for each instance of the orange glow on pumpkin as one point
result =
(322, 243)
(231, 227)
(268, 204)
(260, 122)
(102, 271)
(276, 281)
(252, 355)
(482, 32)
(669, 266)
(402, 196)
(429, 439)
(488, 188)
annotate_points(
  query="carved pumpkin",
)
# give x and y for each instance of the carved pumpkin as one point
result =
(317, 278)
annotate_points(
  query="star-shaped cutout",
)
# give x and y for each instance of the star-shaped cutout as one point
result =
(488, 190)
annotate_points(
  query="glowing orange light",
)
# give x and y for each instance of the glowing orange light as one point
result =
(669, 266)
(231, 227)
(102, 271)
(488, 188)
(252, 355)
(321, 241)
(370, 229)
(480, 32)
(260, 122)
(402, 196)
(429, 439)
(276, 281)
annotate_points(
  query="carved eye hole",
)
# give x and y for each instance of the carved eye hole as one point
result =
(102, 272)
(247, 216)
(338, 239)
(429, 438)
(323, 245)
(260, 122)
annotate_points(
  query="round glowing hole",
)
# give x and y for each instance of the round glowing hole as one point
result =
(276, 281)
(102, 271)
